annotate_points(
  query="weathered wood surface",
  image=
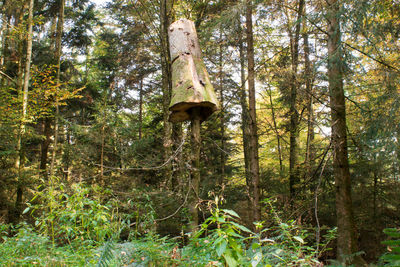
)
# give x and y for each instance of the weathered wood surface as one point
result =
(191, 86)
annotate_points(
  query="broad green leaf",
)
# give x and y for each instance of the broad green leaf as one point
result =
(235, 235)
(26, 210)
(230, 260)
(231, 212)
(221, 248)
(241, 227)
(298, 238)
(219, 240)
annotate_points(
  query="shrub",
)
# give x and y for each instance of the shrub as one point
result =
(77, 215)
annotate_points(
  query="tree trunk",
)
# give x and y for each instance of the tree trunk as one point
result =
(310, 153)
(165, 16)
(294, 116)
(140, 107)
(195, 168)
(67, 154)
(253, 144)
(245, 112)
(20, 72)
(101, 182)
(19, 149)
(347, 236)
(222, 114)
(178, 176)
(4, 32)
(21, 156)
(47, 121)
(375, 194)
(58, 51)
(245, 123)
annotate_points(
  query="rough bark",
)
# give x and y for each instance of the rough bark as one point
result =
(294, 116)
(244, 107)
(194, 182)
(347, 237)
(245, 121)
(190, 80)
(253, 144)
(165, 16)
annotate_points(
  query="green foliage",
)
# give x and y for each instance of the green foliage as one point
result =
(106, 255)
(141, 213)
(392, 258)
(45, 92)
(225, 241)
(229, 243)
(28, 248)
(77, 215)
(150, 250)
(221, 241)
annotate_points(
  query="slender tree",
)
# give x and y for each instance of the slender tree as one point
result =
(243, 101)
(309, 159)
(253, 142)
(222, 111)
(294, 114)
(21, 156)
(140, 107)
(347, 235)
(47, 121)
(166, 7)
(57, 56)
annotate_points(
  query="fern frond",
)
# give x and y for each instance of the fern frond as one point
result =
(107, 255)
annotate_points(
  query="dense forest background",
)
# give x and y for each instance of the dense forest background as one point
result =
(308, 130)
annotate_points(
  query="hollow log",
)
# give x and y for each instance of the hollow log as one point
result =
(191, 86)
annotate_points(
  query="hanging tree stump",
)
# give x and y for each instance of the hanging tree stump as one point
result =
(191, 86)
(193, 97)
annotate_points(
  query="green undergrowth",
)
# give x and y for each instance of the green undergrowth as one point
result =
(81, 226)
(392, 256)
(77, 228)
(29, 248)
